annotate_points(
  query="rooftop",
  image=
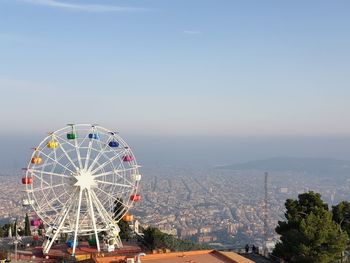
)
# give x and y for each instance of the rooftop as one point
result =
(198, 256)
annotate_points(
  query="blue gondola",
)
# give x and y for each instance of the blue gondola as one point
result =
(94, 136)
(70, 243)
(113, 144)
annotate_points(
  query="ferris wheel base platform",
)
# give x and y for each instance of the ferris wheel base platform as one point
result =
(84, 251)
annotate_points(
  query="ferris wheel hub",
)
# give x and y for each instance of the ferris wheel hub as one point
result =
(84, 179)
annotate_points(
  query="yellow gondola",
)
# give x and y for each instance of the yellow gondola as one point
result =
(52, 144)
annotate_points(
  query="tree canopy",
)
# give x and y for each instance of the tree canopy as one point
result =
(341, 215)
(125, 231)
(309, 234)
(154, 238)
(27, 231)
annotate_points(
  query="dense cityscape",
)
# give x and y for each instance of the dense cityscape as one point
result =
(220, 207)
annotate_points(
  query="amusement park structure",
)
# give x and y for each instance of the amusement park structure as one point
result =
(81, 180)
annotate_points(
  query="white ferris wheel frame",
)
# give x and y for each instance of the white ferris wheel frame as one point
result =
(80, 172)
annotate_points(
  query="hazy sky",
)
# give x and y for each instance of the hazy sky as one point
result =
(176, 67)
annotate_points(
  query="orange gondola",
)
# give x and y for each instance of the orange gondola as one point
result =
(128, 218)
(36, 160)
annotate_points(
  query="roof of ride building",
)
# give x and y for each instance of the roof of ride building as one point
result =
(199, 256)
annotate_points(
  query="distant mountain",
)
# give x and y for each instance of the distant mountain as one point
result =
(320, 166)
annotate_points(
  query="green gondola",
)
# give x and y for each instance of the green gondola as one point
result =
(71, 136)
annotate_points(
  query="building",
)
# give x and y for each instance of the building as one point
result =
(202, 256)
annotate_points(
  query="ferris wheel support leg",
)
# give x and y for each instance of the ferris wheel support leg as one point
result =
(94, 221)
(77, 222)
(113, 227)
(49, 244)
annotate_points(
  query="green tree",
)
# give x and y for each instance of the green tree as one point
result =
(125, 231)
(341, 215)
(40, 229)
(20, 231)
(309, 235)
(154, 238)
(14, 230)
(118, 207)
(27, 226)
(6, 228)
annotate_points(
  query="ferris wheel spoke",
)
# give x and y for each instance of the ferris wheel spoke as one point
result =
(111, 196)
(114, 184)
(116, 171)
(47, 197)
(107, 199)
(49, 204)
(65, 141)
(78, 153)
(77, 221)
(101, 208)
(103, 214)
(40, 178)
(125, 179)
(88, 155)
(83, 140)
(62, 217)
(104, 174)
(105, 152)
(66, 154)
(54, 160)
(110, 160)
(69, 202)
(119, 175)
(100, 153)
(44, 188)
(50, 173)
(92, 213)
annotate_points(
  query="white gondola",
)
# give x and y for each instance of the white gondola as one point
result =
(136, 177)
(27, 202)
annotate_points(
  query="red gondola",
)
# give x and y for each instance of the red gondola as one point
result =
(128, 158)
(135, 198)
(27, 180)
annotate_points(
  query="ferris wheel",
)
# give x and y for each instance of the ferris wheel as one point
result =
(81, 180)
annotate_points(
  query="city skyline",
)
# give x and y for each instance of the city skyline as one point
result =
(176, 68)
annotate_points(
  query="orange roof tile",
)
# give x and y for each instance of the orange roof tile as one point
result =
(198, 256)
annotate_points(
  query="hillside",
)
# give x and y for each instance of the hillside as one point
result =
(318, 166)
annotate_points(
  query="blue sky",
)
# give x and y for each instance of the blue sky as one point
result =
(180, 67)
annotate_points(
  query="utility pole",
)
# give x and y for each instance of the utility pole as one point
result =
(265, 215)
(16, 243)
